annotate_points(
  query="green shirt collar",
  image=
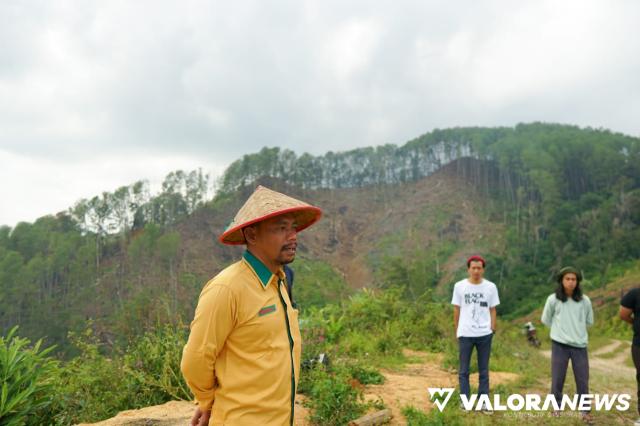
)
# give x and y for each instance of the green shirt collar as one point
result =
(261, 270)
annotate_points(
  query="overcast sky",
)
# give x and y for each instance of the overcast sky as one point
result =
(99, 94)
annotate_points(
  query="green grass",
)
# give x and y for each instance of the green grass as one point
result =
(597, 341)
(625, 347)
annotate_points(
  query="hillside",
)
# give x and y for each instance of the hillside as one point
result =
(364, 226)
(114, 280)
(436, 222)
(531, 198)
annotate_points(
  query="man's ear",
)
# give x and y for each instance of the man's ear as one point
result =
(250, 233)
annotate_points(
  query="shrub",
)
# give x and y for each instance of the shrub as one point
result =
(90, 386)
(366, 375)
(93, 386)
(152, 367)
(25, 373)
(333, 398)
(415, 417)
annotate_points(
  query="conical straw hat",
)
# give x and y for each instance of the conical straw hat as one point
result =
(264, 204)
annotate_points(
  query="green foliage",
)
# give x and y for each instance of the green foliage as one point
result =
(25, 374)
(374, 327)
(316, 283)
(333, 399)
(371, 327)
(366, 375)
(167, 249)
(82, 254)
(417, 417)
(152, 366)
(43, 265)
(95, 386)
(144, 245)
(608, 322)
(89, 387)
(411, 259)
(413, 271)
(563, 195)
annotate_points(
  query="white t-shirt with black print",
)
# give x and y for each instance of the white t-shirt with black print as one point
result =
(474, 300)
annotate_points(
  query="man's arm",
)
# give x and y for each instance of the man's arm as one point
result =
(212, 323)
(494, 319)
(626, 314)
(627, 306)
(456, 318)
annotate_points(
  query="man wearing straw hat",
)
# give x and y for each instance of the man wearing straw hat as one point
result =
(242, 359)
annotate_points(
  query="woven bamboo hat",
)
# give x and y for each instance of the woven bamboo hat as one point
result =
(264, 204)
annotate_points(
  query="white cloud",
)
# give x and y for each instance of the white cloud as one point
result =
(32, 188)
(349, 47)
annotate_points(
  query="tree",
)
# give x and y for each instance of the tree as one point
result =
(167, 251)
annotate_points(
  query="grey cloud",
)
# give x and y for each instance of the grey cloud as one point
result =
(219, 80)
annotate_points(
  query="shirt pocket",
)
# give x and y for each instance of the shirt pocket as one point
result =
(258, 336)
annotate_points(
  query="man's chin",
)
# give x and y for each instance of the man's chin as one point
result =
(285, 260)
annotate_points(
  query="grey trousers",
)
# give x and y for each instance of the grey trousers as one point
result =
(560, 356)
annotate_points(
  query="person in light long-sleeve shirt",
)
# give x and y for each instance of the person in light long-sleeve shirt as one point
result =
(568, 313)
(242, 358)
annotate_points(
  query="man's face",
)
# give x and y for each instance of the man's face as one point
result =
(277, 238)
(476, 270)
(569, 282)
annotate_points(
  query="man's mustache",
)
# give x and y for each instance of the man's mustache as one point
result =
(289, 246)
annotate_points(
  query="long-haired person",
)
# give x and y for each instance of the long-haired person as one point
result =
(568, 313)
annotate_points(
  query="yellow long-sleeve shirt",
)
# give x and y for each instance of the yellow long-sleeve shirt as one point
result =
(242, 359)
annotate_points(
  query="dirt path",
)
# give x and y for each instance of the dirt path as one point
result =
(409, 386)
(611, 347)
(599, 361)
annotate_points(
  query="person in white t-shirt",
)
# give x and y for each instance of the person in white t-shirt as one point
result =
(474, 314)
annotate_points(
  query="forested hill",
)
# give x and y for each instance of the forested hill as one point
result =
(531, 198)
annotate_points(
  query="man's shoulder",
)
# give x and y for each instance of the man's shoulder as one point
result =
(630, 299)
(460, 283)
(232, 276)
(490, 284)
(634, 292)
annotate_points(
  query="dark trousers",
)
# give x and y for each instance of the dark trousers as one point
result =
(483, 348)
(635, 354)
(560, 356)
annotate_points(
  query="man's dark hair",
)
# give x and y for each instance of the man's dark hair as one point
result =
(577, 292)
